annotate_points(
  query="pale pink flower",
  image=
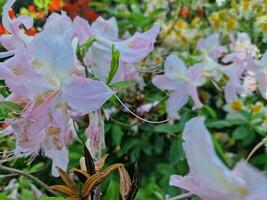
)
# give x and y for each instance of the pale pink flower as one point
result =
(17, 40)
(234, 85)
(132, 50)
(95, 134)
(182, 83)
(260, 70)
(209, 178)
(45, 75)
(211, 45)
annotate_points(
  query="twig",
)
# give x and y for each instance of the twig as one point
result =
(35, 179)
(183, 196)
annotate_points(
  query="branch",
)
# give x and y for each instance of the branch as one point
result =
(183, 196)
(35, 179)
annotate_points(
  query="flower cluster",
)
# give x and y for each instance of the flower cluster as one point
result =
(45, 73)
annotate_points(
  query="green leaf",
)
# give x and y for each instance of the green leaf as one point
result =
(165, 128)
(123, 84)
(112, 191)
(3, 197)
(259, 159)
(27, 194)
(9, 109)
(261, 130)
(225, 123)
(241, 132)
(176, 152)
(114, 64)
(116, 134)
(83, 49)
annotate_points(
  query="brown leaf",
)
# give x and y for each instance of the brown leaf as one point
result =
(64, 189)
(89, 161)
(99, 166)
(97, 178)
(125, 183)
(135, 184)
(82, 175)
(67, 179)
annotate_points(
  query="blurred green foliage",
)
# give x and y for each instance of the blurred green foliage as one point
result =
(156, 148)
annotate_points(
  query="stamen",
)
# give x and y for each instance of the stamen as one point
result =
(138, 117)
(259, 145)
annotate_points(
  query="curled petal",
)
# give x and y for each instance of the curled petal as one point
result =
(135, 48)
(192, 91)
(205, 167)
(13, 25)
(176, 101)
(106, 28)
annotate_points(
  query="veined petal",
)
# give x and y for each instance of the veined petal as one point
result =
(106, 28)
(205, 167)
(82, 29)
(135, 48)
(195, 75)
(99, 59)
(60, 158)
(192, 91)
(86, 95)
(174, 67)
(61, 23)
(255, 180)
(53, 57)
(176, 101)
(21, 79)
(164, 83)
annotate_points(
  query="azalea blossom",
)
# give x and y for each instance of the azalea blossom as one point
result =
(15, 40)
(182, 83)
(211, 45)
(209, 178)
(260, 73)
(45, 75)
(99, 56)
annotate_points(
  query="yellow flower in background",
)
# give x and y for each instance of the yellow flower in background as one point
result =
(261, 27)
(234, 4)
(215, 21)
(236, 105)
(224, 20)
(258, 107)
(195, 21)
(246, 8)
(181, 24)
